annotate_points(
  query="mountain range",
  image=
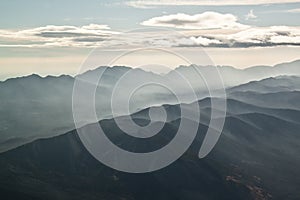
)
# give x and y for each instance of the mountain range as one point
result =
(256, 157)
(34, 107)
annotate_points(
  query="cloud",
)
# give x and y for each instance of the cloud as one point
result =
(155, 3)
(252, 37)
(211, 29)
(296, 10)
(101, 36)
(250, 15)
(206, 20)
(218, 38)
(52, 35)
(198, 41)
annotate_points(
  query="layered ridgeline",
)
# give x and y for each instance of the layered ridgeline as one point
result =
(34, 107)
(256, 158)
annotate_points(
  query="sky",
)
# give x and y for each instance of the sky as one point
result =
(53, 37)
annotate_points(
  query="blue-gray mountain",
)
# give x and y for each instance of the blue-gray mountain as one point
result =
(257, 157)
(34, 107)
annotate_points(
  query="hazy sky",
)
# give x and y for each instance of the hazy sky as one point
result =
(56, 36)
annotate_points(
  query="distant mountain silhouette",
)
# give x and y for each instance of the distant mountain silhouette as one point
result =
(270, 85)
(233, 76)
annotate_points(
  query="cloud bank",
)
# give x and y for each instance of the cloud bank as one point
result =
(194, 31)
(239, 35)
(206, 20)
(252, 37)
(51, 35)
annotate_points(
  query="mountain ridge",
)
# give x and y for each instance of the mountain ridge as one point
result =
(181, 66)
(62, 165)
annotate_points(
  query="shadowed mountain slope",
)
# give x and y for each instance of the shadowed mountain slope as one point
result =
(257, 157)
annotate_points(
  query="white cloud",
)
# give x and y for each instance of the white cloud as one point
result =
(206, 20)
(154, 3)
(96, 27)
(204, 41)
(52, 35)
(252, 37)
(267, 35)
(239, 38)
(94, 35)
(211, 29)
(296, 10)
(250, 15)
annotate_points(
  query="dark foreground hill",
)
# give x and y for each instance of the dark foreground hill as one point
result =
(257, 157)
